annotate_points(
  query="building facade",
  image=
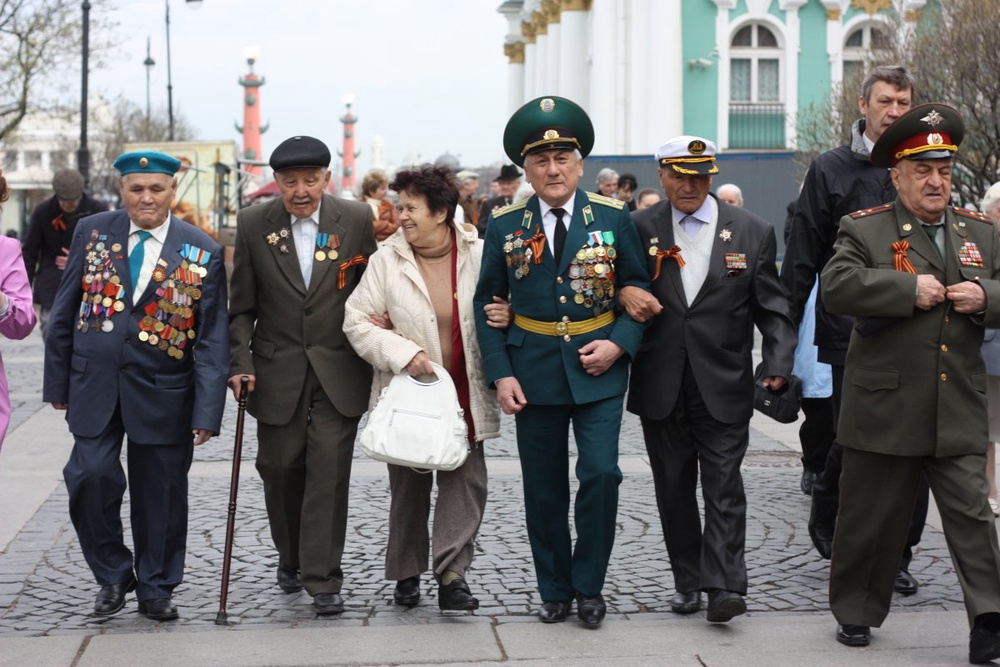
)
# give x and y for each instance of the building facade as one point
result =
(735, 71)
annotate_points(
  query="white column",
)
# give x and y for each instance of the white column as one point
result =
(515, 75)
(542, 63)
(552, 64)
(834, 40)
(793, 43)
(530, 65)
(603, 46)
(574, 69)
(659, 76)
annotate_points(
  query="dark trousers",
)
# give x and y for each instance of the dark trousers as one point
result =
(816, 433)
(543, 445)
(879, 493)
(306, 469)
(826, 490)
(690, 439)
(158, 491)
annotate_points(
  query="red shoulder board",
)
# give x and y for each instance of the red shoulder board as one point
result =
(966, 213)
(870, 211)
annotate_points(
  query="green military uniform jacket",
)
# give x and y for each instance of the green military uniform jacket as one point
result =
(582, 287)
(915, 381)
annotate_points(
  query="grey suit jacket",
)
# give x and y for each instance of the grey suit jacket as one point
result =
(715, 332)
(278, 328)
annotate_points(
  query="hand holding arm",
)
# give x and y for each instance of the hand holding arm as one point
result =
(638, 303)
(498, 313)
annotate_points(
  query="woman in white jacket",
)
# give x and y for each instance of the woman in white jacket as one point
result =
(414, 306)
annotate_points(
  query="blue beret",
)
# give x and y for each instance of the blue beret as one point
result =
(301, 151)
(147, 162)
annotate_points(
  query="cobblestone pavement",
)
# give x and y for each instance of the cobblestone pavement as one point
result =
(47, 589)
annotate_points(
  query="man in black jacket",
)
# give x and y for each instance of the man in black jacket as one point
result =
(50, 230)
(840, 182)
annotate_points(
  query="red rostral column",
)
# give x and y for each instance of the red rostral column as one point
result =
(251, 128)
(348, 178)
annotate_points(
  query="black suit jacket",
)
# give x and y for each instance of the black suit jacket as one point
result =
(715, 332)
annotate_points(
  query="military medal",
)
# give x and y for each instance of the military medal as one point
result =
(726, 235)
(327, 244)
(736, 260)
(969, 255)
(272, 238)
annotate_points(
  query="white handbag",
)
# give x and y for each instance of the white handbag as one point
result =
(417, 424)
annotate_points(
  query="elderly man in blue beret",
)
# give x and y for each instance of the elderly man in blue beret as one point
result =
(297, 260)
(137, 346)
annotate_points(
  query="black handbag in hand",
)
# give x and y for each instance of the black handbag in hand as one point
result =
(782, 405)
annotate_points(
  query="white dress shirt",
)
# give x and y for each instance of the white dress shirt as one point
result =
(304, 231)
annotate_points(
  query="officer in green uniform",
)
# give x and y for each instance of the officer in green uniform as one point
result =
(561, 256)
(921, 279)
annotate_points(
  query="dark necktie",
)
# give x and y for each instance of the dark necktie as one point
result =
(932, 232)
(559, 241)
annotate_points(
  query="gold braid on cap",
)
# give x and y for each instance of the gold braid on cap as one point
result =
(923, 149)
(676, 162)
(553, 140)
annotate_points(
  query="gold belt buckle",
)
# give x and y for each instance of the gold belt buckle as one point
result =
(562, 328)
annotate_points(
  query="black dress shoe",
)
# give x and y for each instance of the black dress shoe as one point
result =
(905, 584)
(288, 579)
(685, 603)
(407, 593)
(984, 646)
(456, 597)
(111, 598)
(724, 605)
(554, 611)
(590, 609)
(328, 603)
(854, 635)
(158, 609)
(807, 482)
(822, 539)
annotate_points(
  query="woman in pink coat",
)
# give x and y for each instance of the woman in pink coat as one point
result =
(17, 315)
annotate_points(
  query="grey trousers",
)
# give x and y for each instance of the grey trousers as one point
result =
(458, 512)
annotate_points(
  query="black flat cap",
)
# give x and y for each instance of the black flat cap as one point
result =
(301, 151)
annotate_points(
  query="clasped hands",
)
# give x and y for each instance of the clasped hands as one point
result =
(967, 297)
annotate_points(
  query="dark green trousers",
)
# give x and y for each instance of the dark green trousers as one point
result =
(543, 445)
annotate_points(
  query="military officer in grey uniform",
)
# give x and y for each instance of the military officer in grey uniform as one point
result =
(921, 279)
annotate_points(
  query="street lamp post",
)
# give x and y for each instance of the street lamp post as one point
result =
(83, 154)
(148, 63)
(170, 85)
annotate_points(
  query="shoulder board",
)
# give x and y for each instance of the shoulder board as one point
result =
(503, 210)
(607, 201)
(975, 215)
(870, 211)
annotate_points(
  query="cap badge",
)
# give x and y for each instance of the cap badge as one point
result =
(547, 105)
(933, 118)
(696, 147)
(551, 134)
(934, 139)
(143, 162)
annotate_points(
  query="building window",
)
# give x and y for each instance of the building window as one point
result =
(32, 159)
(10, 161)
(58, 160)
(756, 111)
(864, 45)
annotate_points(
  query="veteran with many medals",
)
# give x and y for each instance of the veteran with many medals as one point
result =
(562, 255)
(137, 346)
(922, 280)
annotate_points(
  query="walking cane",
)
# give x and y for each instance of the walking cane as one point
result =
(234, 484)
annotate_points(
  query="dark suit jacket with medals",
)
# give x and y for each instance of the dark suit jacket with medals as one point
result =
(278, 327)
(161, 356)
(714, 332)
(915, 383)
(548, 367)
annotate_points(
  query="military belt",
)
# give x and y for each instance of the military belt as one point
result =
(564, 328)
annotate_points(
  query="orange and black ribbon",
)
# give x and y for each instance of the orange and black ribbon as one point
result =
(902, 263)
(58, 223)
(674, 252)
(342, 272)
(537, 245)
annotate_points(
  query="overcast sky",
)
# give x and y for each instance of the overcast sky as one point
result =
(429, 77)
